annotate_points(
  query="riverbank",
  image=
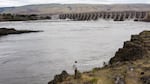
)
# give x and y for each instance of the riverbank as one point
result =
(21, 17)
(7, 31)
(130, 65)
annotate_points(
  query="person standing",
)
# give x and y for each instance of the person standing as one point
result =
(75, 70)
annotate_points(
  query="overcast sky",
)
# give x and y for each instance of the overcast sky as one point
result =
(6, 3)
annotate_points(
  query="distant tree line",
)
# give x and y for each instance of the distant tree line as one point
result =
(21, 17)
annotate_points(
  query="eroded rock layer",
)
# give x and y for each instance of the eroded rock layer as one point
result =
(137, 48)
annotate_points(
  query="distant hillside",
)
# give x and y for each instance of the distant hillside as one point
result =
(65, 8)
(5, 8)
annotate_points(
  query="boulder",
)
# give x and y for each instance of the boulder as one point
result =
(59, 78)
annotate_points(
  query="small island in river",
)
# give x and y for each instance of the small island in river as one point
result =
(7, 31)
(130, 65)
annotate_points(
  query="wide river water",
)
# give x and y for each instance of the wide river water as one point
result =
(34, 58)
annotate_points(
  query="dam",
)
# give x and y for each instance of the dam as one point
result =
(107, 15)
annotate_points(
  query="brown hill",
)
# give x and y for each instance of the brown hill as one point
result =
(65, 8)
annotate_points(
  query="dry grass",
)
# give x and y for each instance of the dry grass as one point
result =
(106, 75)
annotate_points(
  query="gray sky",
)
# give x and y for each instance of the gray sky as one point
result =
(7, 3)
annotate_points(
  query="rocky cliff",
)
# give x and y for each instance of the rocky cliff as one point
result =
(137, 48)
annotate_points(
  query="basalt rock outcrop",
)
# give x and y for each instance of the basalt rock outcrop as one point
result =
(7, 31)
(59, 78)
(137, 48)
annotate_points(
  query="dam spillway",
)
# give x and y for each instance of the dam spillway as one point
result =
(113, 15)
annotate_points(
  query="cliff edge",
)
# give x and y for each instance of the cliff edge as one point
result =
(137, 48)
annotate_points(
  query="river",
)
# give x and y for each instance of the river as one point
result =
(34, 58)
